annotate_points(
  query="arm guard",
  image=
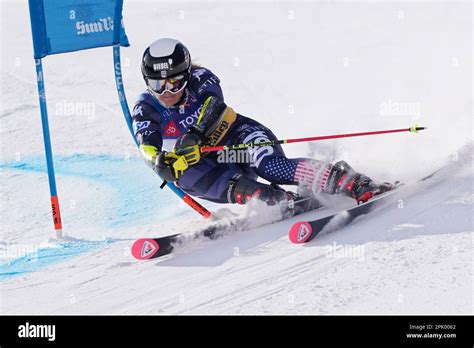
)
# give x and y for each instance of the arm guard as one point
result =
(215, 120)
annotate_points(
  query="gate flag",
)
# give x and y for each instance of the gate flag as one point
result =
(60, 26)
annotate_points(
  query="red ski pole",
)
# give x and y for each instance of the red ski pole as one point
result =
(414, 129)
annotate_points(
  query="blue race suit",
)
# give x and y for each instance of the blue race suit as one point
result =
(209, 178)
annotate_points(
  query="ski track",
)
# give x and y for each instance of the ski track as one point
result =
(242, 285)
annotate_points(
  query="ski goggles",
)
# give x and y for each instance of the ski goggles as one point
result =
(173, 84)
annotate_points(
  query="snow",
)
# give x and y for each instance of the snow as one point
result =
(301, 68)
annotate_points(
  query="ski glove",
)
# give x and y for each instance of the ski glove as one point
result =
(170, 166)
(164, 166)
(189, 145)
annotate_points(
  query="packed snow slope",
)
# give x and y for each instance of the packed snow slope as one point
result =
(301, 68)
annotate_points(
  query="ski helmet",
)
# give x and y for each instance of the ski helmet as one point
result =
(164, 59)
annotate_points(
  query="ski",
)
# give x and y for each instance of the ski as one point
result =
(300, 232)
(304, 231)
(150, 248)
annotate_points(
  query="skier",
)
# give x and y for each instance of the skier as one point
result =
(183, 109)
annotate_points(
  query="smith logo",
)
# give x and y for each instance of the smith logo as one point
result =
(103, 24)
(161, 66)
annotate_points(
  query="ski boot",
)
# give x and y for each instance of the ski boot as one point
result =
(242, 189)
(343, 179)
(362, 188)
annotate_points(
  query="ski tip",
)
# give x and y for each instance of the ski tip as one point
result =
(300, 232)
(144, 249)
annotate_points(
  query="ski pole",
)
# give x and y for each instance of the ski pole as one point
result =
(414, 129)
